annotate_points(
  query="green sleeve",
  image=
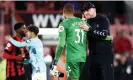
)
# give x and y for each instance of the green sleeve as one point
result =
(62, 41)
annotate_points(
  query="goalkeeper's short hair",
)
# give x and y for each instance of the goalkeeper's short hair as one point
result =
(68, 9)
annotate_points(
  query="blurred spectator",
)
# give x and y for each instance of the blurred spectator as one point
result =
(122, 44)
(122, 67)
(30, 7)
(123, 70)
(51, 6)
(20, 5)
(59, 5)
(116, 20)
(48, 60)
(40, 6)
(130, 59)
(77, 5)
(9, 8)
(121, 18)
(116, 66)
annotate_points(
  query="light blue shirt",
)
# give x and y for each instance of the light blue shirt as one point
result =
(36, 53)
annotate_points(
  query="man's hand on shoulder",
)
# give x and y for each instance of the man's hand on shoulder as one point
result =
(84, 26)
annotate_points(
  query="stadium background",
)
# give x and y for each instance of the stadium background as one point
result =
(48, 14)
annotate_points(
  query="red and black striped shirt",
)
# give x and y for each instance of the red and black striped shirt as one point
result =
(13, 66)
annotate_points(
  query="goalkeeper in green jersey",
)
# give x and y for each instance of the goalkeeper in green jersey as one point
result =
(73, 38)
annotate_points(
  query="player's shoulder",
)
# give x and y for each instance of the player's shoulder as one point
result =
(75, 19)
(34, 40)
(102, 17)
(39, 42)
(70, 20)
(9, 44)
(64, 21)
(78, 18)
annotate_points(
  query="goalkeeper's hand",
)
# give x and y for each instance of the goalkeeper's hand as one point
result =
(54, 71)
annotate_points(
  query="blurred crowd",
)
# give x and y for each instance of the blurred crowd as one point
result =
(112, 9)
(121, 32)
(36, 6)
(123, 56)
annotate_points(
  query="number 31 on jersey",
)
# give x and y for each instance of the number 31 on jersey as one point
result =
(80, 38)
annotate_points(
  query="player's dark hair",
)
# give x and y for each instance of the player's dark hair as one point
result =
(34, 29)
(68, 9)
(18, 25)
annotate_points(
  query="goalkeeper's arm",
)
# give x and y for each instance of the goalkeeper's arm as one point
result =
(59, 49)
(60, 46)
(58, 52)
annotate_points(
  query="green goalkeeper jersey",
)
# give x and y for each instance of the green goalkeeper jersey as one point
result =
(74, 38)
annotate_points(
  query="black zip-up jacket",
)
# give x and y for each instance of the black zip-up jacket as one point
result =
(97, 35)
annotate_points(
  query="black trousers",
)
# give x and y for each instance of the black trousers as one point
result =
(28, 71)
(98, 67)
(16, 78)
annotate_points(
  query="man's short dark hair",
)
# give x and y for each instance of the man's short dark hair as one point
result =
(34, 29)
(87, 6)
(18, 25)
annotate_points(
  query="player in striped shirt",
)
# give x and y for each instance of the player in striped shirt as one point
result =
(14, 62)
(35, 47)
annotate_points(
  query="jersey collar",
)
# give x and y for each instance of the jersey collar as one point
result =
(71, 17)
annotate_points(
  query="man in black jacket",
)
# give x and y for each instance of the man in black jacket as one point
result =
(99, 63)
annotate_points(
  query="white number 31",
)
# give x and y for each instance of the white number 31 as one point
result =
(80, 38)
